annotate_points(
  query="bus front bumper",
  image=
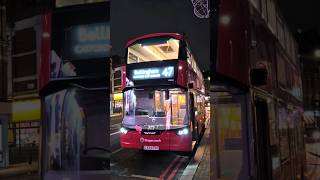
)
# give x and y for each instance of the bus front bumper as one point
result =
(165, 141)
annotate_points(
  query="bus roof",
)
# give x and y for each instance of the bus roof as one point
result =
(175, 35)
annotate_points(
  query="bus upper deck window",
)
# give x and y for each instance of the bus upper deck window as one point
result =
(153, 49)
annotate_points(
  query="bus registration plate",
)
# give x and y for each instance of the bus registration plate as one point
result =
(152, 148)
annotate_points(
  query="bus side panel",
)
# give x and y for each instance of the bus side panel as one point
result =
(44, 67)
(181, 143)
(183, 73)
(124, 78)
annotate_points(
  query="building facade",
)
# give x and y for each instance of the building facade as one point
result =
(116, 81)
(5, 108)
(309, 41)
(24, 129)
(24, 125)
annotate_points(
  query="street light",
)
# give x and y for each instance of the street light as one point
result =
(317, 53)
(225, 19)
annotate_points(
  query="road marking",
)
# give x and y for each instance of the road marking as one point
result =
(175, 170)
(169, 167)
(144, 177)
(114, 152)
(114, 133)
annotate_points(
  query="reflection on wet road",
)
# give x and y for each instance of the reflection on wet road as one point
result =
(148, 164)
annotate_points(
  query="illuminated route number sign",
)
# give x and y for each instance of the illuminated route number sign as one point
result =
(153, 73)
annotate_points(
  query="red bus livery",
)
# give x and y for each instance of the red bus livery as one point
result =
(164, 104)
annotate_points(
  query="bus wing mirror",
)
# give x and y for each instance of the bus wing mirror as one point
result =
(190, 85)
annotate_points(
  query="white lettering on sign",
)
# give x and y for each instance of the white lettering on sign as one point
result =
(93, 33)
(152, 140)
(153, 73)
(91, 40)
(149, 133)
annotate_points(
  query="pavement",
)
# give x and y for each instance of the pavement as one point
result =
(199, 166)
(312, 161)
(17, 171)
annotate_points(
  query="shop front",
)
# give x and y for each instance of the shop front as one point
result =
(24, 131)
(5, 109)
(116, 103)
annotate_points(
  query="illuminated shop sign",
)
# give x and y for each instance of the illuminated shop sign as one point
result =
(28, 110)
(90, 41)
(117, 96)
(153, 73)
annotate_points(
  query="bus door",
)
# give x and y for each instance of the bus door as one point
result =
(193, 122)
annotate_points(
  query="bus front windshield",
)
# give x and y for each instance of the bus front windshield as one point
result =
(155, 109)
(153, 49)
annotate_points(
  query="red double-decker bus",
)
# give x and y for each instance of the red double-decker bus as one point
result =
(164, 102)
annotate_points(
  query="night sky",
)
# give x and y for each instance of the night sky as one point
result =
(301, 14)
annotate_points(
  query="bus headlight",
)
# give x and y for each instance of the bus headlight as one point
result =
(184, 131)
(123, 130)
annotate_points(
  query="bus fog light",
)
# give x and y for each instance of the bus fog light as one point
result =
(183, 132)
(123, 130)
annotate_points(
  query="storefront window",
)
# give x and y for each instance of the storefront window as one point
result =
(230, 139)
(284, 139)
(274, 138)
(286, 166)
(117, 103)
(155, 109)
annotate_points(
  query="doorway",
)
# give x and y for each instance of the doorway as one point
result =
(263, 155)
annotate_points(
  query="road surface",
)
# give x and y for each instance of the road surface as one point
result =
(137, 164)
